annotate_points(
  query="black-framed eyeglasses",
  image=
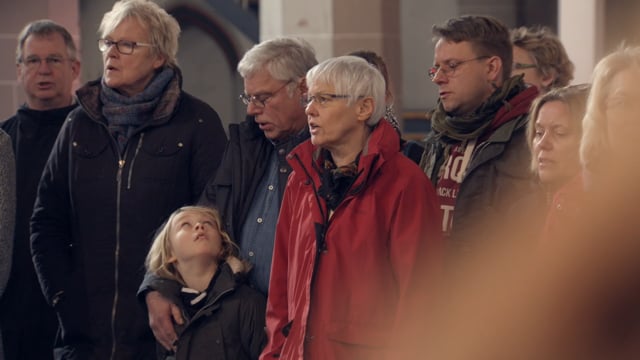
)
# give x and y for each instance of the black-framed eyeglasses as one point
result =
(260, 100)
(522, 66)
(33, 62)
(323, 99)
(449, 68)
(125, 47)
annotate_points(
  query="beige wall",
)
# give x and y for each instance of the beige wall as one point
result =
(16, 14)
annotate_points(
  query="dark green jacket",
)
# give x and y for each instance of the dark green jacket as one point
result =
(498, 174)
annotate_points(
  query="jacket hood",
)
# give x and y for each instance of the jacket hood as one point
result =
(516, 106)
(88, 96)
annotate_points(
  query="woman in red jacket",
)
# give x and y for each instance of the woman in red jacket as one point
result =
(359, 223)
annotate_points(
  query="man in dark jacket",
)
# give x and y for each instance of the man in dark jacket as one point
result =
(248, 186)
(476, 156)
(46, 68)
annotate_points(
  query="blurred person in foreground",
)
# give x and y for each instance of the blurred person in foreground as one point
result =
(47, 65)
(352, 234)
(577, 297)
(136, 149)
(539, 55)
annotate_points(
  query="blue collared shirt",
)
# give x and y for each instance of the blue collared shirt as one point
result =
(259, 229)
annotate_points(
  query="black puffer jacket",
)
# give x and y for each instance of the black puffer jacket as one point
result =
(97, 211)
(230, 326)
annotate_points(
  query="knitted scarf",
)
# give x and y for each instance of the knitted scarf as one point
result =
(459, 128)
(336, 181)
(125, 114)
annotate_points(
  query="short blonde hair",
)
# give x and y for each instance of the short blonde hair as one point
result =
(574, 97)
(163, 28)
(157, 261)
(547, 51)
(595, 143)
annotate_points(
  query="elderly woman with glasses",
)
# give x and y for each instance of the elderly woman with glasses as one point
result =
(356, 219)
(136, 149)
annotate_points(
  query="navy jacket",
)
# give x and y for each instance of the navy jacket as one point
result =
(97, 211)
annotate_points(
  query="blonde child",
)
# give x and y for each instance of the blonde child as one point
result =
(191, 257)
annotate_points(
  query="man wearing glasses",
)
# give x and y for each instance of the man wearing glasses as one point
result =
(248, 186)
(476, 155)
(46, 65)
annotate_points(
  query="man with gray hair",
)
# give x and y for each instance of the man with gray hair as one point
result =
(248, 186)
(46, 66)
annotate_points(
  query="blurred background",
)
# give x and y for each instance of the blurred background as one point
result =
(216, 33)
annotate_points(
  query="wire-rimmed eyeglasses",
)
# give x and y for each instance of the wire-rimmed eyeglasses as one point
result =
(449, 68)
(523, 66)
(322, 99)
(260, 100)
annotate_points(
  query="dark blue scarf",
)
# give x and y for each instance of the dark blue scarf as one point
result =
(125, 114)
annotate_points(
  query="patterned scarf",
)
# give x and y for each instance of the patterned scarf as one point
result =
(125, 114)
(467, 127)
(336, 181)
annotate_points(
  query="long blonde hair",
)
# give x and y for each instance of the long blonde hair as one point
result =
(158, 259)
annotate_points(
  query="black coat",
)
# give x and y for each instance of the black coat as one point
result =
(229, 326)
(97, 211)
(28, 322)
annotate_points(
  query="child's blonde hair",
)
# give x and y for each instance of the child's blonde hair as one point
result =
(158, 259)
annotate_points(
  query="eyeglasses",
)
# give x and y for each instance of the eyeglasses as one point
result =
(322, 99)
(33, 62)
(521, 66)
(260, 100)
(125, 47)
(449, 69)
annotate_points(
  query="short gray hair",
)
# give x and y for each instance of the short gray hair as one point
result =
(285, 59)
(163, 28)
(45, 27)
(353, 76)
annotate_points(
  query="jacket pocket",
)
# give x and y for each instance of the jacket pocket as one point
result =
(161, 160)
(87, 155)
(366, 334)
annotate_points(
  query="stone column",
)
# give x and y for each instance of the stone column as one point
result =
(581, 30)
(337, 27)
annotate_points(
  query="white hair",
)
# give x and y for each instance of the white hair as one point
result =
(353, 76)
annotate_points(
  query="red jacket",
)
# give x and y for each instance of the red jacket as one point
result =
(344, 302)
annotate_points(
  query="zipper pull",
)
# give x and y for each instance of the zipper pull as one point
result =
(121, 163)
